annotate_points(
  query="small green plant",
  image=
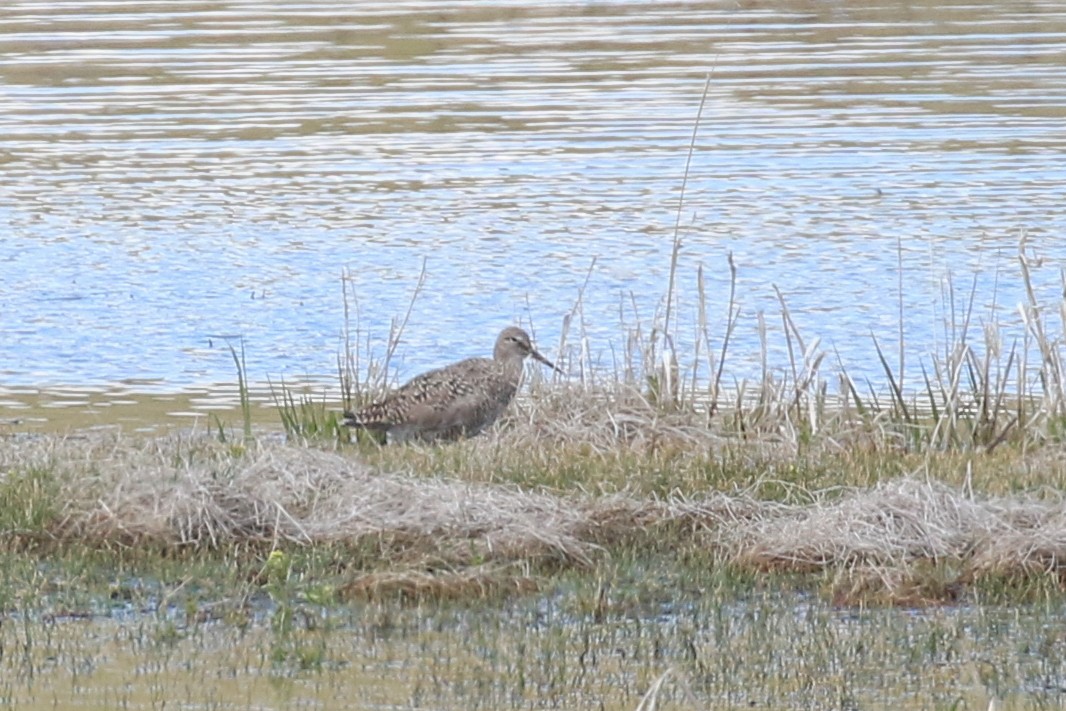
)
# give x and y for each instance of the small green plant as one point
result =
(277, 571)
(304, 643)
(242, 388)
(28, 500)
(217, 425)
(307, 419)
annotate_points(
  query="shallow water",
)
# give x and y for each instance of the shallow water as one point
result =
(759, 650)
(177, 177)
(152, 408)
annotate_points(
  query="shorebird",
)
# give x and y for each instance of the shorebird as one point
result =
(458, 400)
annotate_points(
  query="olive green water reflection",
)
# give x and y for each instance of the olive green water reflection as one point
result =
(728, 647)
(144, 408)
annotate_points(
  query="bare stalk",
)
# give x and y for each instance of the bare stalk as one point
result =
(396, 332)
(731, 321)
(578, 310)
(899, 272)
(680, 206)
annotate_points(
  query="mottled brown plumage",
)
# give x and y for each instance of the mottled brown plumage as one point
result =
(458, 400)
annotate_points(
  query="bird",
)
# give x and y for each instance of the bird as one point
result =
(454, 402)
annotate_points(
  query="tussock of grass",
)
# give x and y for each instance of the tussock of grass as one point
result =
(907, 539)
(605, 441)
(199, 493)
(453, 536)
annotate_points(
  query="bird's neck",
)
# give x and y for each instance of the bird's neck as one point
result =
(511, 366)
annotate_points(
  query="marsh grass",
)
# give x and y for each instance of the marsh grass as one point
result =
(976, 393)
(890, 494)
(911, 539)
(363, 374)
(307, 418)
(242, 390)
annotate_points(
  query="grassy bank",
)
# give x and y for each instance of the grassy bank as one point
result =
(495, 514)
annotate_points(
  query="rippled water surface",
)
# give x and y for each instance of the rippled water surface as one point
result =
(174, 173)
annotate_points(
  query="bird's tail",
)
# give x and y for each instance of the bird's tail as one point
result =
(367, 419)
(350, 419)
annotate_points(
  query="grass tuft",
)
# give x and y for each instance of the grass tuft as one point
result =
(306, 419)
(907, 538)
(30, 499)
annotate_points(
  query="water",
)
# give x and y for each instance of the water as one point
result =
(174, 174)
(724, 649)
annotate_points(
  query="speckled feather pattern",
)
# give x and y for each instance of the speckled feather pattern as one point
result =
(459, 400)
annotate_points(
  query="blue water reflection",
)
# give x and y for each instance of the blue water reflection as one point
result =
(170, 177)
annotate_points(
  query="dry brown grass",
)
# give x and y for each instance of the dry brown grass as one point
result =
(200, 493)
(906, 538)
(606, 440)
(904, 523)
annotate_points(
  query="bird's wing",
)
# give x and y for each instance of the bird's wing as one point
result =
(415, 401)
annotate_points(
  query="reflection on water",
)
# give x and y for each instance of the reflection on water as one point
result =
(177, 172)
(150, 408)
